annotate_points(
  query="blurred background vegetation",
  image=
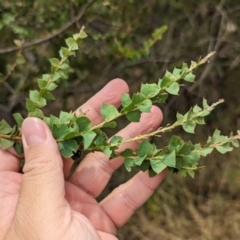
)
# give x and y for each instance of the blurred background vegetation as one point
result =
(121, 44)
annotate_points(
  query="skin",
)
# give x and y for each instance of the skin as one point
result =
(42, 204)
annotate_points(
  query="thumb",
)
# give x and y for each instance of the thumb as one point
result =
(42, 190)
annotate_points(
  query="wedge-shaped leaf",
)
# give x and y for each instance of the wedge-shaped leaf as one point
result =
(107, 151)
(65, 117)
(165, 82)
(149, 90)
(18, 118)
(42, 83)
(170, 159)
(125, 100)
(84, 124)
(108, 111)
(191, 158)
(34, 95)
(88, 138)
(71, 43)
(173, 88)
(197, 109)
(224, 148)
(145, 148)
(59, 132)
(48, 96)
(5, 127)
(116, 139)
(55, 62)
(134, 116)
(68, 147)
(206, 151)
(139, 160)
(205, 104)
(6, 143)
(189, 77)
(145, 166)
(235, 143)
(127, 152)
(128, 163)
(64, 52)
(51, 86)
(191, 173)
(177, 72)
(200, 120)
(158, 165)
(145, 106)
(112, 124)
(189, 126)
(175, 143)
(37, 113)
(138, 98)
(18, 147)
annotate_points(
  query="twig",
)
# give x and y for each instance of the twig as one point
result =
(54, 34)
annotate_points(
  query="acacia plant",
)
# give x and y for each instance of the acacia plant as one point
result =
(76, 136)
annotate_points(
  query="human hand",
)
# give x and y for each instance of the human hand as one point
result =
(41, 204)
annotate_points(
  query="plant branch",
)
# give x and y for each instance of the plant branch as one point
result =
(54, 34)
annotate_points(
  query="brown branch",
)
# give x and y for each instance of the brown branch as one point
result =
(54, 34)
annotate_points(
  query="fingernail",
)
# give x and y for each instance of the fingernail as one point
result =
(33, 131)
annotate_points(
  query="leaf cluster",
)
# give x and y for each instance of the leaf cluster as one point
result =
(75, 133)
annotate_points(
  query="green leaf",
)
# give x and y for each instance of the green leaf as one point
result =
(173, 88)
(125, 100)
(64, 52)
(191, 158)
(84, 124)
(6, 143)
(175, 143)
(199, 120)
(42, 83)
(107, 151)
(145, 148)
(48, 96)
(134, 116)
(128, 163)
(139, 160)
(18, 148)
(197, 109)
(165, 82)
(112, 124)
(37, 113)
(18, 118)
(235, 143)
(55, 62)
(71, 43)
(68, 147)
(150, 90)
(88, 138)
(145, 106)
(145, 166)
(127, 153)
(205, 104)
(189, 126)
(189, 77)
(157, 165)
(138, 98)
(59, 132)
(224, 148)
(191, 173)
(177, 72)
(108, 111)
(51, 86)
(34, 95)
(206, 151)
(204, 113)
(116, 139)
(170, 159)
(5, 128)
